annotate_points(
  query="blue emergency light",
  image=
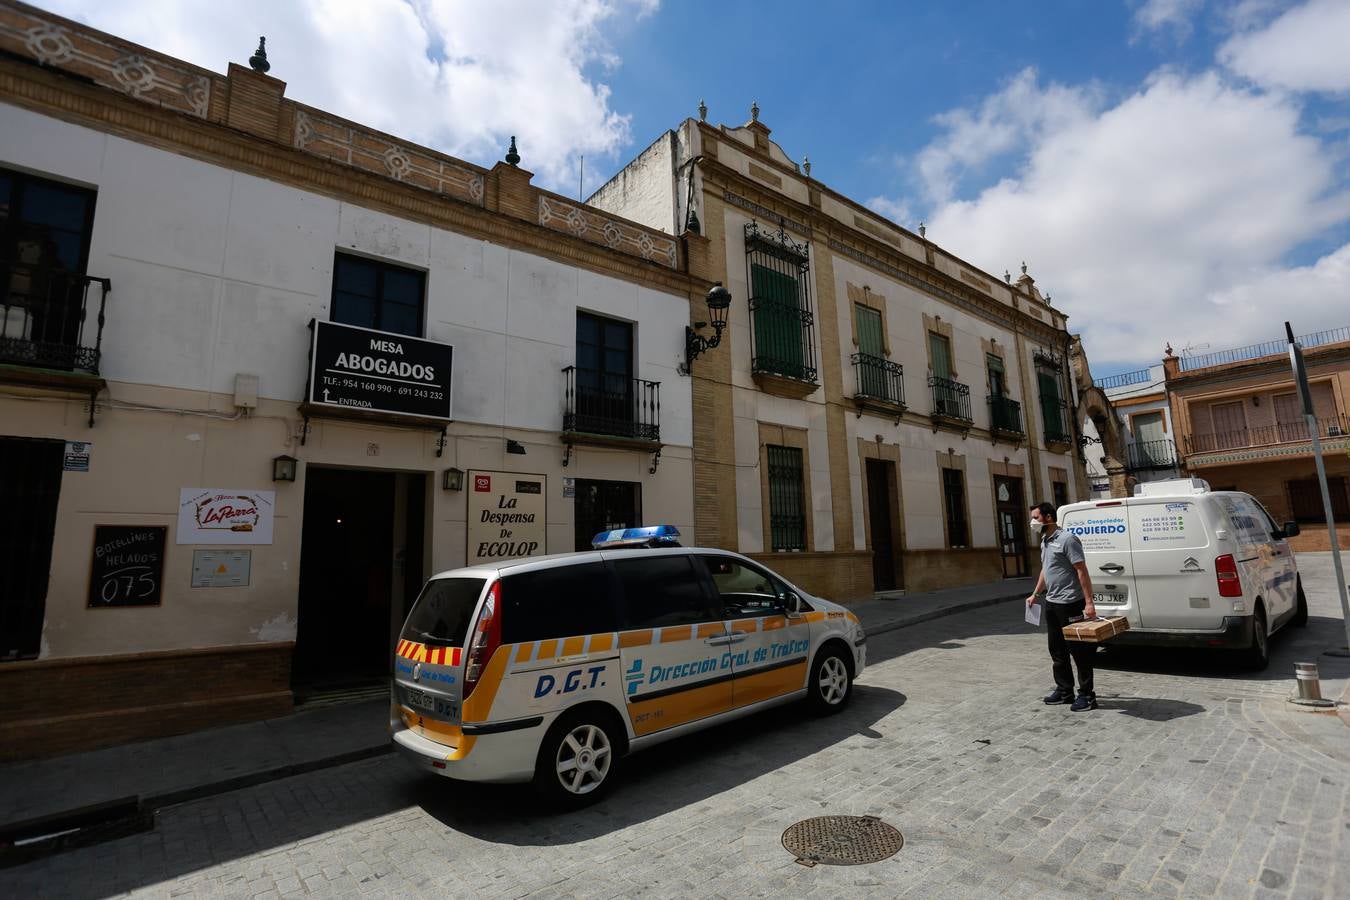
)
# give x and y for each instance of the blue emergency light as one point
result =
(646, 536)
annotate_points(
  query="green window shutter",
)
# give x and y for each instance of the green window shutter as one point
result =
(941, 351)
(871, 371)
(778, 322)
(1051, 410)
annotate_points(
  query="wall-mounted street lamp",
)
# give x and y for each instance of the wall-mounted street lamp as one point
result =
(695, 344)
(452, 479)
(283, 468)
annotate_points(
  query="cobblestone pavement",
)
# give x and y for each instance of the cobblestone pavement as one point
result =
(1193, 779)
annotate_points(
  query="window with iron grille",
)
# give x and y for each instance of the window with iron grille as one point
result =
(787, 499)
(378, 295)
(1305, 500)
(780, 305)
(954, 507)
(1054, 416)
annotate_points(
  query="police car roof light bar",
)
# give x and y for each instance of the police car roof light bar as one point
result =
(645, 536)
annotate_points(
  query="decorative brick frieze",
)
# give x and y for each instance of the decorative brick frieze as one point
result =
(616, 234)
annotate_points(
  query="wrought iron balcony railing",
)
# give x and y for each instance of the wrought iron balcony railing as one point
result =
(1268, 435)
(44, 318)
(1151, 455)
(612, 406)
(951, 399)
(1005, 415)
(879, 379)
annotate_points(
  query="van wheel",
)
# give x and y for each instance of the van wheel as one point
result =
(1257, 656)
(831, 682)
(577, 760)
(1301, 609)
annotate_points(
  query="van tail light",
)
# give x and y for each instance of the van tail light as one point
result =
(487, 637)
(1225, 569)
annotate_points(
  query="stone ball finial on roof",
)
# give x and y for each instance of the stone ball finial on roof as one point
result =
(1007, 276)
(1169, 349)
(923, 232)
(512, 156)
(754, 111)
(702, 111)
(258, 61)
(806, 165)
(1024, 267)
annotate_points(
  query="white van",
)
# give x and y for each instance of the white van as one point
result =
(551, 669)
(1190, 567)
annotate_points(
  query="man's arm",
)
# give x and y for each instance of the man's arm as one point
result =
(1085, 580)
(1038, 590)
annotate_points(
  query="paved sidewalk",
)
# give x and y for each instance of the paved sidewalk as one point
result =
(170, 770)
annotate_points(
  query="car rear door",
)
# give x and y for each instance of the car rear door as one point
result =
(1173, 551)
(1103, 530)
(428, 661)
(673, 649)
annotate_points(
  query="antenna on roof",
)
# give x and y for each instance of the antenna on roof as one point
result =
(1189, 349)
(581, 177)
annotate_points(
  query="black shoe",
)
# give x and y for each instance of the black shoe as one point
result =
(1083, 702)
(1058, 695)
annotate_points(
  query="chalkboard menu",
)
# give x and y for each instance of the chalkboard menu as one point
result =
(128, 565)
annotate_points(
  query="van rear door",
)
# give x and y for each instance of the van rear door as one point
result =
(429, 658)
(1103, 529)
(1174, 554)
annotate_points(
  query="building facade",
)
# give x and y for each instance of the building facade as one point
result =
(262, 370)
(1240, 426)
(1143, 419)
(878, 413)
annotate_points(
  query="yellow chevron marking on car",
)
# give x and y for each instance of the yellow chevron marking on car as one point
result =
(676, 633)
(635, 638)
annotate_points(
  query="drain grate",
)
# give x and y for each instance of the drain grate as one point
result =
(842, 840)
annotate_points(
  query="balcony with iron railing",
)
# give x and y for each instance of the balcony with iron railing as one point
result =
(1286, 434)
(951, 402)
(880, 383)
(1149, 456)
(606, 410)
(1005, 417)
(51, 319)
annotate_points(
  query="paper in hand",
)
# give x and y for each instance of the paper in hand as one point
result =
(1034, 614)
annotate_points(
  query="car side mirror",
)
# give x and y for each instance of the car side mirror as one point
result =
(1291, 529)
(792, 605)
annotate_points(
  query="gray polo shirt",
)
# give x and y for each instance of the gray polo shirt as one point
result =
(1059, 552)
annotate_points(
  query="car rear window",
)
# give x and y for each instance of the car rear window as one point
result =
(441, 616)
(561, 601)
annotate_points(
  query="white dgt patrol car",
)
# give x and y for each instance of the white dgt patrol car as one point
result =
(550, 669)
(1190, 567)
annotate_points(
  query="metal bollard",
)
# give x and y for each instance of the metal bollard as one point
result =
(1309, 691)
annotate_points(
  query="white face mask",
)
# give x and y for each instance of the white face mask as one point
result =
(1037, 527)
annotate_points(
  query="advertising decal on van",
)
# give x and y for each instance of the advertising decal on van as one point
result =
(1096, 532)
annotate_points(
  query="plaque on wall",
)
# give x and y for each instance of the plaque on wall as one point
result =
(128, 565)
(359, 370)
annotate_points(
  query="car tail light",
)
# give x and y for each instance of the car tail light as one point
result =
(1225, 569)
(487, 636)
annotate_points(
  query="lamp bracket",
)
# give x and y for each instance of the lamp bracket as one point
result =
(440, 443)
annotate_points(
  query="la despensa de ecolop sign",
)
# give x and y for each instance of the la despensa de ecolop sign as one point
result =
(375, 371)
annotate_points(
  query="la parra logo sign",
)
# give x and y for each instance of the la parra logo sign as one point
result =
(374, 371)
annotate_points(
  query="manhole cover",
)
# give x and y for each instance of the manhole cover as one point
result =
(842, 840)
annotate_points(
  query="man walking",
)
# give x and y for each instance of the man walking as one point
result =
(1067, 588)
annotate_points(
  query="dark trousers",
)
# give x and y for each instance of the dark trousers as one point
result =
(1057, 615)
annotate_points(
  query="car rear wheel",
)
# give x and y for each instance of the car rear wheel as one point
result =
(1257, 656)
(831, 682)
(1301, 609)
(577, 759)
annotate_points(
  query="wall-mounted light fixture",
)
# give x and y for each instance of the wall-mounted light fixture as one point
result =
(1256, 401)
(452, 479)
(695, 344)
(283, 468)
(515, 447)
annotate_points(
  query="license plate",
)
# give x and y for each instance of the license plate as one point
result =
(425, 702)
(1109, 598)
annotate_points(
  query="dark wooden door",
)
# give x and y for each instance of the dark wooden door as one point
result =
(881, 519)
(1012, 517)
(30, 486)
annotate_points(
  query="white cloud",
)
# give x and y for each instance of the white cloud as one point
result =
(456, 75)
(1007, 122)
(1172, 15)
(1302, 50)
(1164, 217)
(898, 211)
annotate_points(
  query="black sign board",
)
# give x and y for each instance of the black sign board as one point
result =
(128, 567)
(359, 369)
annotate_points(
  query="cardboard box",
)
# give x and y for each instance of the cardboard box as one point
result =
(1094, 631)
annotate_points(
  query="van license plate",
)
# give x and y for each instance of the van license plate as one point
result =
(1108, 598)
(434, 705)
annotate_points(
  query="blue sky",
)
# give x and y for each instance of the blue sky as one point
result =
(1171, 170)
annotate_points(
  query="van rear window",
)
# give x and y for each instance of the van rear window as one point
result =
(441, 616)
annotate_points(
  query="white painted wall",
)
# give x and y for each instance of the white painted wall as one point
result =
(643, 190)
(216, 273)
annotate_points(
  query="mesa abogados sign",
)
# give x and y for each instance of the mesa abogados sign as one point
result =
(361, 369)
